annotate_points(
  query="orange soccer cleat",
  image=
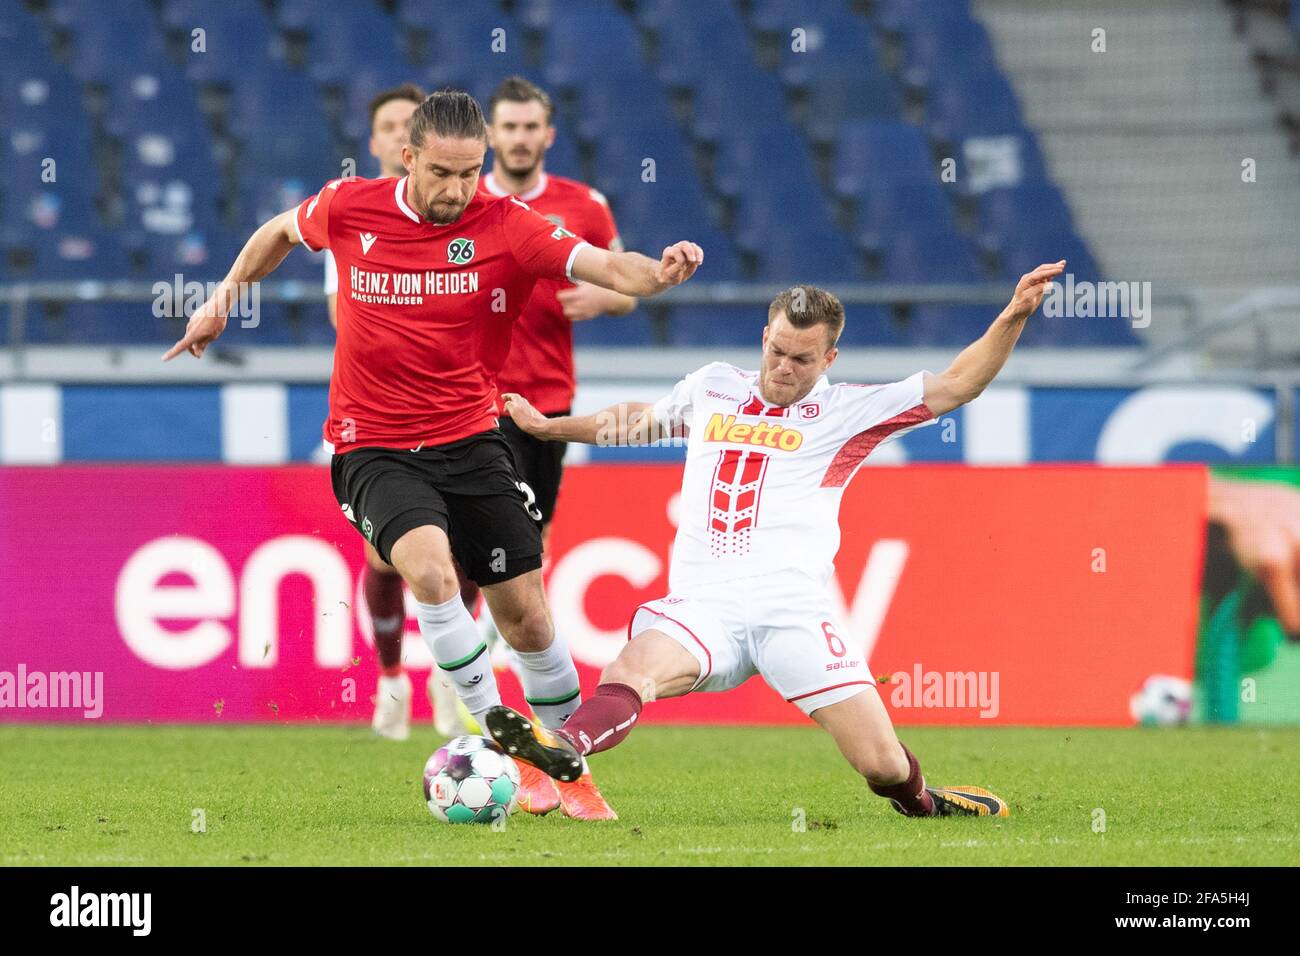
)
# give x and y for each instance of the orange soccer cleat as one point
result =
(537, 793)
(582, 799)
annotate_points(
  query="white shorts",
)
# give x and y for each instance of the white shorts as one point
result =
(780, 626)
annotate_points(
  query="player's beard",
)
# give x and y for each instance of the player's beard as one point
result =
(440, 214)
(521, 166)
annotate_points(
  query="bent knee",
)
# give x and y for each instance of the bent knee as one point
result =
(433, 581)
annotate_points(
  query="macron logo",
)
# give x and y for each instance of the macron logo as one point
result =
(367, 240)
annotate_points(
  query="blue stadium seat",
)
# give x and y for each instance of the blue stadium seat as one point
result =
(758, 157)
(852, 93)
(572, 60)
(1025, 248)
(466, 45)
(120, 32)
(236, 38)
(938, 49)
(887, 207)
(931, 255)
(1005, 211)
(614, 330)
(348, 36)
(869, 325)
(624, 161)
(700, 45)
(608, 109)
(699, 325)
(973, 104)
(717, 98)
(878, 150)
(950, 326)
(276, 142)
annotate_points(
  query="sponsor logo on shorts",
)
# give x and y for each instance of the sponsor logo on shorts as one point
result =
(764, 434)
(368, 530)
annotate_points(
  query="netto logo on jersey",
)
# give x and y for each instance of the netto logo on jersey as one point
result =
(460, 251)
(764, 434)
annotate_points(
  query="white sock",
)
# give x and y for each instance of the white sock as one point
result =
(460, 653)
(550, 683)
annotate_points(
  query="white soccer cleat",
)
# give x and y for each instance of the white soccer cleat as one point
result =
(450, 718)
(392, 719)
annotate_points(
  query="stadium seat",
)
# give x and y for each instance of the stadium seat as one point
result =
(759, 157)
(876, 150)
(931, 255)
(571, 60)
(120, 32)
(716, 98)
(609, 330)
(460, 46)
(237, 38)
(699, 46)
(973, 104)
(885, 207)
(346, 36)
(1005, 211)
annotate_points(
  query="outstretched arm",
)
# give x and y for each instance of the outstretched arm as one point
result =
(264, 250)
(979, 363)
(633, 274)
(628, 423)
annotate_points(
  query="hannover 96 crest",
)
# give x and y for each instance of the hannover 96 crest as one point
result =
(460, 251)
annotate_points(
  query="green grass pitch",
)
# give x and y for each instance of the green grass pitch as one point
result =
(310, 794)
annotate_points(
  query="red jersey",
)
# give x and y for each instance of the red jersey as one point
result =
(540, 364)
(424, 311)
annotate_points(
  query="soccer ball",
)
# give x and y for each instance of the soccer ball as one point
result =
(1163, 701)
(471, 780)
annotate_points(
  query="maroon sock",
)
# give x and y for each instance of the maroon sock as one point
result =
(911, 793)
(387, 606)
(604, 720)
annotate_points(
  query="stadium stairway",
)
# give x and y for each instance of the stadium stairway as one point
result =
(1148, 138)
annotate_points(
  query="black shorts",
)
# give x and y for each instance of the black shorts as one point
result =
(469, 488)
(540, 464)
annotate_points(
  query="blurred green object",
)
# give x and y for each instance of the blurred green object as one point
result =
(1239, 635)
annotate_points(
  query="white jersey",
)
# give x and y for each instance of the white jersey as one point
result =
(762, 487)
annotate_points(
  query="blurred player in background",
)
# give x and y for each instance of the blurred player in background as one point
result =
(769, 455)
(540, 364)
(390, 113)
(433, 275)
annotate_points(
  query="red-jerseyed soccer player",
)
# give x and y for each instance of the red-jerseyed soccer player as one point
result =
(381, 585)
(769, 454)
(432, 275)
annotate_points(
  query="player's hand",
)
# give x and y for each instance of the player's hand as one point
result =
(1032, 287)
(678, 263)
(207, 322)
(1263, 523)
(523, 414)
(582, 302)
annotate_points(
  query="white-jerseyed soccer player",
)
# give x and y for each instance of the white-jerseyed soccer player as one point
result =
(769, 455)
